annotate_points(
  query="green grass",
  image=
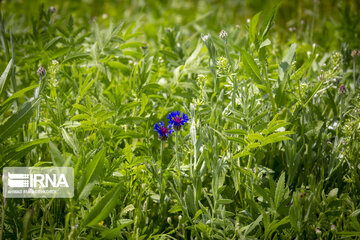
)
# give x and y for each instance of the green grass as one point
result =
(271, 150)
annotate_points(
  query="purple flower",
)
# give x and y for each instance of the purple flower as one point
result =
(342, 89)
(333, 227)
(163, 131)
(41, 71)
(176, 120)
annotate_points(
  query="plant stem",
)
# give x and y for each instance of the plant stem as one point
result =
(161, 172)
(354, 72)
(176, 150)
(268, 88)
(2, 218)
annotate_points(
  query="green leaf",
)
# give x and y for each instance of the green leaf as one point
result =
(333, 194)
(4, 76)
(18, 119)
(236, 120)
(52, 42)
(103, 207)
(118, 65)
(92, 172)
(301, 71)
(252, 27)
(241, 154)
(280, 190)
(237, 140)
(190, 61)
(265, 43)
(224, 201)
(70, 141)
(131, 45)
(19, 94)
(115, 232)
(268, 22)
(286, 62)
(75, 57)
(127, 209)
(251, 67)
(276, 137)
(32, 143)
(56, 156)
(236, 131)
(80, 107)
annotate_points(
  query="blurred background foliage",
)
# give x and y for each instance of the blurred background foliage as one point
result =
(272, 147)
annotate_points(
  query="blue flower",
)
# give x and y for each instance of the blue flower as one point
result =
(163, 131)
(176, 120)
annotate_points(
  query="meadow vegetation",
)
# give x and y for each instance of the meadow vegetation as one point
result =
(192, 120)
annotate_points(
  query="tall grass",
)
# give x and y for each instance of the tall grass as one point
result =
(270, 151)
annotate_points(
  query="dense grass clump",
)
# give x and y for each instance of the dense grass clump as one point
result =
(192, 120)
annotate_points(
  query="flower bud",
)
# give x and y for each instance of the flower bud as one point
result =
(318, 231)
(41, 71)
(342, 89)
(333, 227)
(52, 9)
(169, 220)
(355, 53)
(223, 35)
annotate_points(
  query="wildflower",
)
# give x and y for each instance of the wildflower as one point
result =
(333, 227)
(205, 38)
(223, 35)
(342, 89)
(41, 71)
(52, 9)
(355, 53)
(163, 131)
(201, 79)
(318, 231)
(176, 120)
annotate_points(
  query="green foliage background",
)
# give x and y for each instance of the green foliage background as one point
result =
(271, 150)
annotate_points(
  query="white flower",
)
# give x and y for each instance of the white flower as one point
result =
(223, 35)
(205, 37)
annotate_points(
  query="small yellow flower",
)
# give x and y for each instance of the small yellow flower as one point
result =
(101, 223)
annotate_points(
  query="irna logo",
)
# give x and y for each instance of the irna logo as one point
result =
(38, 182)
(35, 180)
